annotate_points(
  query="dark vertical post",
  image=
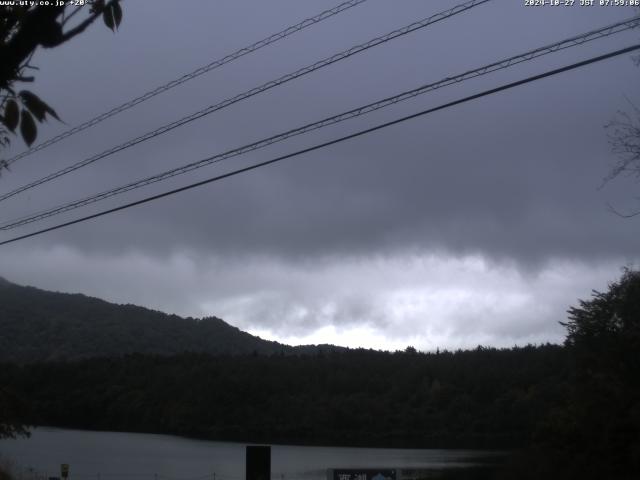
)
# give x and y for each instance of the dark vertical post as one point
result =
(258, 462)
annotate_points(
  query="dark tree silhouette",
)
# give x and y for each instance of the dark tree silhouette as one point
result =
(25, 28)
(604, 344)
(12, 408)
(611, 316)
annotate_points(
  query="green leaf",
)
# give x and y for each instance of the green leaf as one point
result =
(33, 103)
(37, 106)
(107, 17)
(11, 114)
(112, 15)
(52, 112)
(28, 127)
(117, 13)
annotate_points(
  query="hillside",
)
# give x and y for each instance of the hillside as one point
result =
(38, 325)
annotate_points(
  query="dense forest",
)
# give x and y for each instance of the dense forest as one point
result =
(573, 411)
(479, 398)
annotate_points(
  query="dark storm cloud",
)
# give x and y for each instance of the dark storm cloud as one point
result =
(515, 174)
(511, 179)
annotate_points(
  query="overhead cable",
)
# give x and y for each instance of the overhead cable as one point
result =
(332, 142)
(365, 109)
(190, 76)
(254, 91)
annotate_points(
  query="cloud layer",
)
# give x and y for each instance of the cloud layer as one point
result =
(478, 224)
(424, 299)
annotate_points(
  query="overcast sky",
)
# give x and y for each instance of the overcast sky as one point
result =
(479, 224)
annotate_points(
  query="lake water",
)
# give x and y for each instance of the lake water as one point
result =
(134, 456)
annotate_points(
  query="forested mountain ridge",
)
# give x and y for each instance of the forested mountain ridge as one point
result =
(39, 325)
(574, 409)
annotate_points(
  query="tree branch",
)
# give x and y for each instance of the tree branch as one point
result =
(39, 27)
(622, 215)
(36, 25)
(71, 15)
(81, 27)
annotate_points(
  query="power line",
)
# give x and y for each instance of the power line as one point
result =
(191, 75)
(254, 91)
(331, 142)
(371, 107)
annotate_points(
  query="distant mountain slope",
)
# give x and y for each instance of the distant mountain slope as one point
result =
(38, 325)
